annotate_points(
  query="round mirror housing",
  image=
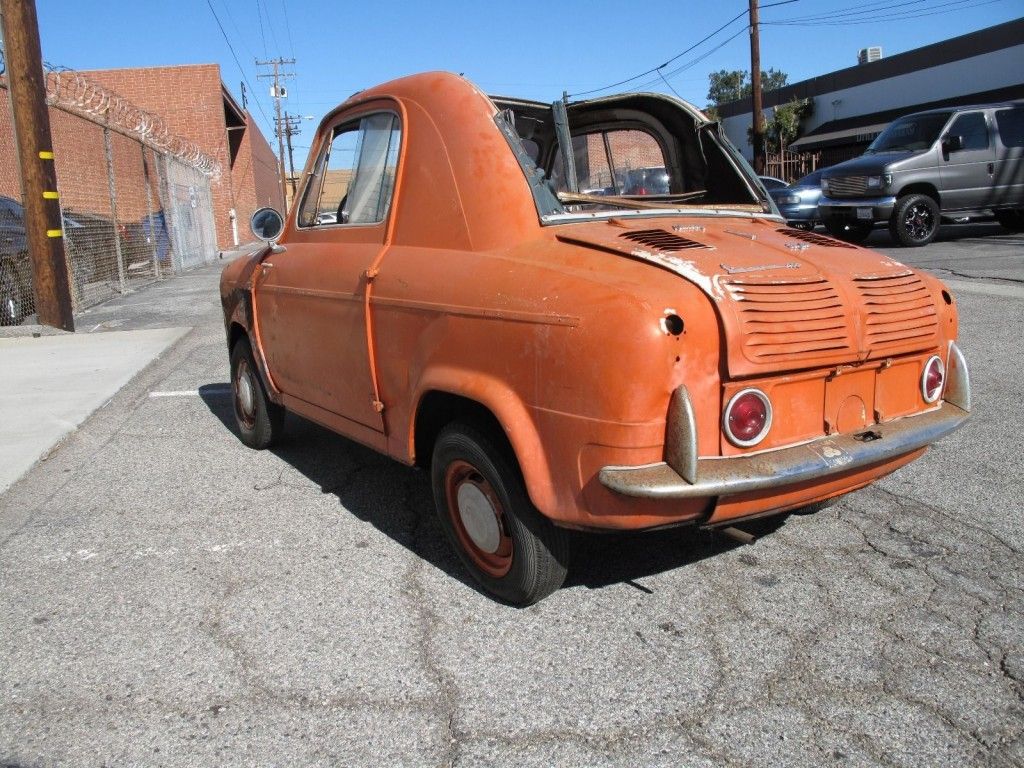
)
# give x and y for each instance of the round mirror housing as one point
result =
(266, 224)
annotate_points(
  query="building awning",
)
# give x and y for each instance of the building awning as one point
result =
(830, 135)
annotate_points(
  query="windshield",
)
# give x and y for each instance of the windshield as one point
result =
(910, 134)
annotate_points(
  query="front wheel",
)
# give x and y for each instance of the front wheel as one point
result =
(509, 547)
(260, 421)
(851, 232)
(915, 220)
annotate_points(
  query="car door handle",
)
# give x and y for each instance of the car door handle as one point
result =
(266, 265)
(991, 169)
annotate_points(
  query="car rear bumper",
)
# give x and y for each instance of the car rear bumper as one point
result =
(857, 209)
(815, 461)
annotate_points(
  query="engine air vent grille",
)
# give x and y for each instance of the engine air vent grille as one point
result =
(794, 320)
(661, 240)
(899, 311)
(813, 238)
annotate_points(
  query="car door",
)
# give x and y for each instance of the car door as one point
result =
(1009, 175)
(967, 173)
(310, 298)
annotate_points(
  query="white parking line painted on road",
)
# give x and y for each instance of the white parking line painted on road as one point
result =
(221, 389)
(986, 289)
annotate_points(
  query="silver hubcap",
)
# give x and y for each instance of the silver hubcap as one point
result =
(479, 518)
(246, 397)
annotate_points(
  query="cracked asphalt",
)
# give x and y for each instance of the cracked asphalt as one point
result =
(169, 597)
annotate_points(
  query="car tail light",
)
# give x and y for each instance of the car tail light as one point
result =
(932, 379)
(747, 418)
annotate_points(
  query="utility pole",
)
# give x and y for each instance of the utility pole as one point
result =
(755, 90)
(291, 127)
(43, 231)
(278, 92)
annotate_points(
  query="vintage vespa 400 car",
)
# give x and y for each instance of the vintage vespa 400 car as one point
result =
(445, 293)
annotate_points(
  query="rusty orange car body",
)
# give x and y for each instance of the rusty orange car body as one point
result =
(594, 339)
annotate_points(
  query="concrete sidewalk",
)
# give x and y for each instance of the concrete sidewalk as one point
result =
(53, 381)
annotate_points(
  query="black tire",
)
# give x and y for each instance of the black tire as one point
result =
(1012, 221)
(260, 421)
(851, 232)
(517, 554)
(914, 221)
(13, 306)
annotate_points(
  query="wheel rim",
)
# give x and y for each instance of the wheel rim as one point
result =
(245, 395)
(478, 518)
(918, 221)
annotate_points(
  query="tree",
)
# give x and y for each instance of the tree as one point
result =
(784, 124)
(725, 86)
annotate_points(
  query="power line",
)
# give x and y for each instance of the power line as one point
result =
(263, 36)
(678, 56)
(935, 10)
(237, 62)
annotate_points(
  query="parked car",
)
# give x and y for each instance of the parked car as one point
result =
(951, 164)
(559, 362)
(798, 202)
(771, 183)
(646, 181)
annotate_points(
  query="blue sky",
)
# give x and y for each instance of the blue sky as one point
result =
(531, 50)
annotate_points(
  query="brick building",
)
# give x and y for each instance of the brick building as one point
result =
(195, 104)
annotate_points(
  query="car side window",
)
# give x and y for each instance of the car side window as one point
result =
(620, 162)
(1011, 126)
(353, 180)
(972, 128)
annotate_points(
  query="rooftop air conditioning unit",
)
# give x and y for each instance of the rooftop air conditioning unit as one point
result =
(867, 55)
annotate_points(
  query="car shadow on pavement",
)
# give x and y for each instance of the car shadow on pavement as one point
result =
(397, 501)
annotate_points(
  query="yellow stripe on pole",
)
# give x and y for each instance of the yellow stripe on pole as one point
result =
(45, 155)
(54, 233)
(47, 195)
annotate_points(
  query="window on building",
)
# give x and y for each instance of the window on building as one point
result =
(354, 178)
(622, 162)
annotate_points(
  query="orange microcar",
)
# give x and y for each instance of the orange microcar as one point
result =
(580, 315)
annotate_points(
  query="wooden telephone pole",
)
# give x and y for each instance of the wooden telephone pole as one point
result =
(43, 231)
(755, 90)
(278, 92)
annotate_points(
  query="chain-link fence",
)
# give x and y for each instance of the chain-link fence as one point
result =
(135, 199)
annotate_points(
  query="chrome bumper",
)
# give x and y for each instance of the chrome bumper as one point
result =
(690, 477)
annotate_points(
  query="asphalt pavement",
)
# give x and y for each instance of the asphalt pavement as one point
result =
(170, 597)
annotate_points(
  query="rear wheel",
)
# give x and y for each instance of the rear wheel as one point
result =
(851, 232)
(1011, 220)
(915, 220)
(260, 421)
(509, 547)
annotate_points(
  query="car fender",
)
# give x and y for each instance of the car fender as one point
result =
(511, 412)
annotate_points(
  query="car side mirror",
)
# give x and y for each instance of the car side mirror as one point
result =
(952, 143)
(266, 224)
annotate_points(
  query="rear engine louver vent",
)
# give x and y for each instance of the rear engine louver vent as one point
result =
(814, 239)
(899, 311)
(790, 321)
(660, 240)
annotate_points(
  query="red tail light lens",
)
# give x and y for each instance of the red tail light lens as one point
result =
(932, 379)
(747, 418)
